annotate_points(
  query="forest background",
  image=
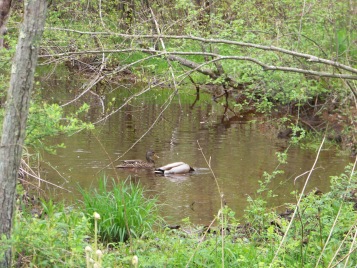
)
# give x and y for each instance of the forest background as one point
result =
(296, 58)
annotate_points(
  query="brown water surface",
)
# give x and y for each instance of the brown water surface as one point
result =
(239, 151)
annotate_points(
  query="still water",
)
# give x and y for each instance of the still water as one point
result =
(239, 150)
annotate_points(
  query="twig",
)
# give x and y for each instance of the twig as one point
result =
(181, 76)
(346, 256)
(42, 180)
(220, 212)
(167, 103)
(122, 196)
(200, 242)
(346, 236)
(302, 174)
(164, 49)
(297, 205)
(335, 221)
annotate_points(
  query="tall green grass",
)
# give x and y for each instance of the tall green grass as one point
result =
(123, 209)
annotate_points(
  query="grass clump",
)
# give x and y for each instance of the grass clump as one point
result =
(123, 209)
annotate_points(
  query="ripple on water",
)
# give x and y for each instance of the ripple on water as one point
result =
(239, 154)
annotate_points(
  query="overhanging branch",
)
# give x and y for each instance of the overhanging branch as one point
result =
(308, 57)
(217, 57)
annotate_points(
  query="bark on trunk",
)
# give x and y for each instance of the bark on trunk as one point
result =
(5, 6)
(17, 106)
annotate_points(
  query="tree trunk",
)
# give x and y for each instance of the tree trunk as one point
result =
(5, 6)
(16, 112)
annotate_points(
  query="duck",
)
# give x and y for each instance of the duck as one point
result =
(175, 168)
(148, 164)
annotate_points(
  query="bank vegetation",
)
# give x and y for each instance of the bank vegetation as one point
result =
(292, 61)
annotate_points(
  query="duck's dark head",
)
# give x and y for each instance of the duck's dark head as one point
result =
(150, 155)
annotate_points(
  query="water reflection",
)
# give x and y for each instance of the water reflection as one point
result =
(239, 153)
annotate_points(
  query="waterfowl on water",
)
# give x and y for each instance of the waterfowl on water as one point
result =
(149, 163)
(175, 168)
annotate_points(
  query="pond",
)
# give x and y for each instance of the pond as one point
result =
(239, 149)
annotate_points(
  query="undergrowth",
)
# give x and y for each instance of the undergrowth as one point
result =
(56, 238)
(322, 233)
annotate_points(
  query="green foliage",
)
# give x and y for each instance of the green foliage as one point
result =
(320, 216)
(48, 120)
(195, 246)
(298, 134)
(123, 209)
(324, 225)
(320, 28)
(55, 239)
(257, 212)
(5, 66)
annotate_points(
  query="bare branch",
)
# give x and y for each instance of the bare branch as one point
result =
(308, 57)
(217, 57)
(268, 67)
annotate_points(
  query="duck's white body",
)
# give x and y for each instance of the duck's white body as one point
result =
(175, 168)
